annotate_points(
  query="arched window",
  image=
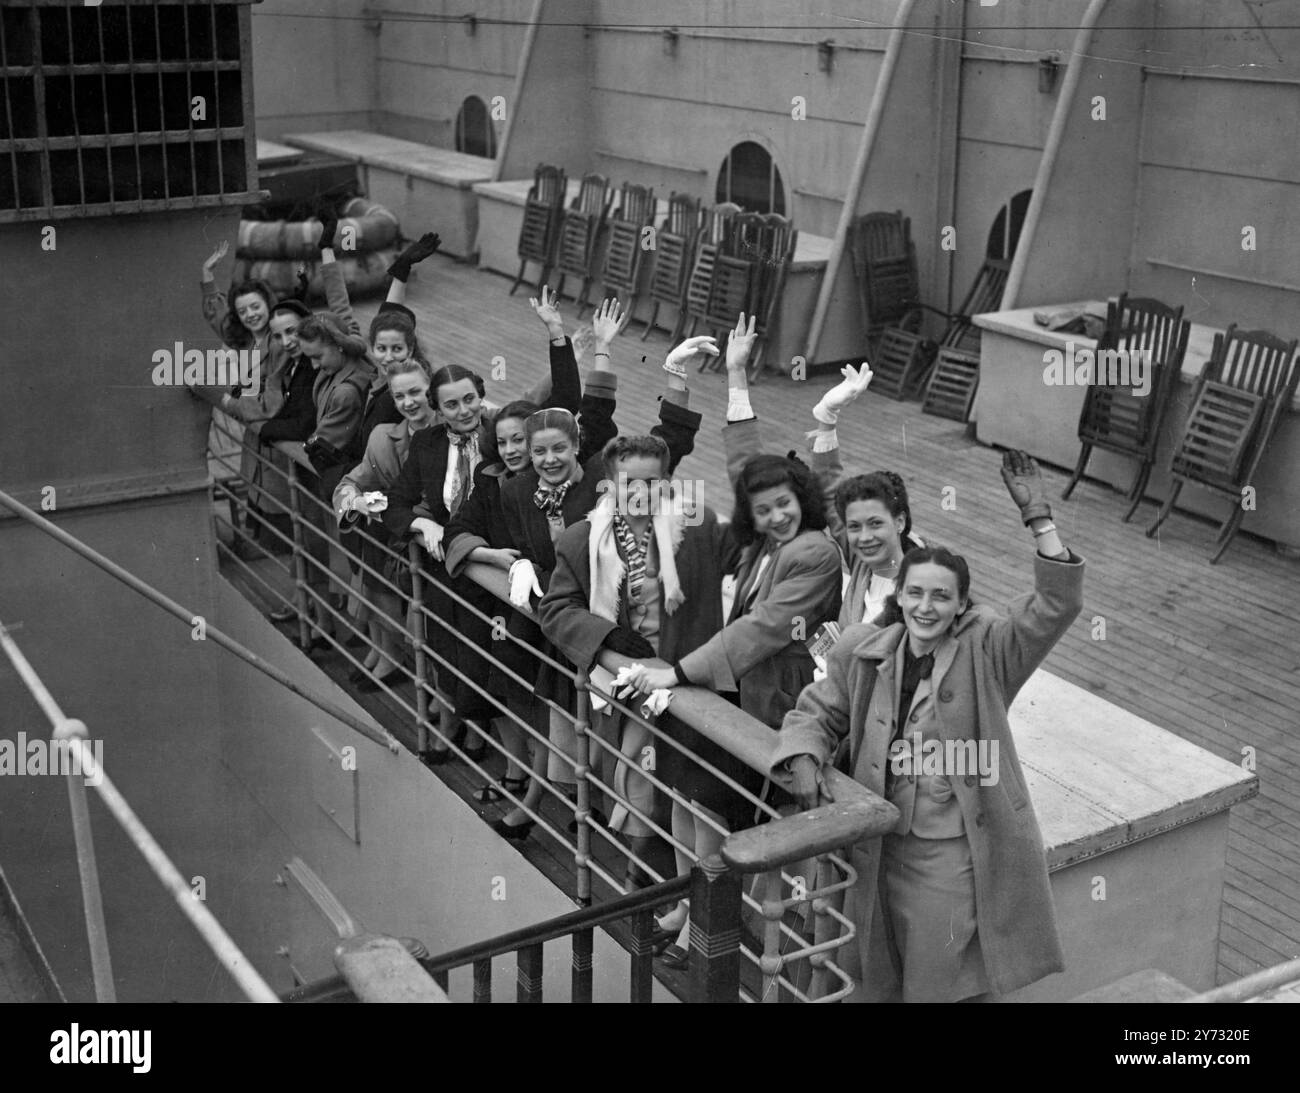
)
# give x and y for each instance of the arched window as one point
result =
(475, 135)
(749, 177)
(1005, 233)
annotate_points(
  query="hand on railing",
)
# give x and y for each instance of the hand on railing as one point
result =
(500, 557)
(808, 784)
(855, 381)
(648, 680)
(739, 342)
(691, 351)
(523, 582)
(430, 535)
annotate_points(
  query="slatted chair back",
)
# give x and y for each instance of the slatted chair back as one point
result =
(539, 231)
(985, 295)
(580, 231)
(1114, 416)
(549, 185)
(1249, 381)
(673, 253)
(884, 264)
(624, 254)
(711, 241)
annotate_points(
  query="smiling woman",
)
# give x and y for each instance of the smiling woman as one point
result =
(943, 671)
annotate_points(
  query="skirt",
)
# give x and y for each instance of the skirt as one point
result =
(924, 944)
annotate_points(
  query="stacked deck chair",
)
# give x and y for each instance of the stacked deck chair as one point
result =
(710, 242)
(884, 263)
(580, 231)
(1247, 385)
(1113, 417)
(673, 254)
(540, 229)
(622, 266)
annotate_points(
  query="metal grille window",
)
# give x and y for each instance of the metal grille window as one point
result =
(749, 177)
(124, 106)
(474, 133)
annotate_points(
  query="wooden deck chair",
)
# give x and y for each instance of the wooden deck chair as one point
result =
(540, 229)
(622, 266)
(673, 251)
(709, 243)
(1246, 386)
(950, 391)
(884, 263)
(904, 357)
(580, 228)
(1113, 417)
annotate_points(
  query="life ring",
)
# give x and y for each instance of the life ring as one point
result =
(366, 225)
(364, 274)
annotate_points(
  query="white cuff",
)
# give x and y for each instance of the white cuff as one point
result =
(738, 408)
(826, 440)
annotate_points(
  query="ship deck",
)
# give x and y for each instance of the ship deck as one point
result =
(1208, 653)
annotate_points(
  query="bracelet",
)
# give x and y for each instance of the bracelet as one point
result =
(681, 676)
(1045, 531)
(600, 354)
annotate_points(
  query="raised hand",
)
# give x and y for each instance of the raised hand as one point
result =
(855, 381)
(583, 341)
(415, 252)
(548, 310)
(329, 228)
(1025, 485)
(691, 350)
(606, 323)
(740, 341)
(216, 256)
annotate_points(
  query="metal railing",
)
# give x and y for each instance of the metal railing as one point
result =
(797, 910)
(70, 734)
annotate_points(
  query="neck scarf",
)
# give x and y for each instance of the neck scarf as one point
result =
(550, 499)
(635, 550)
(465, 447)
(606, 569)
(915, 669)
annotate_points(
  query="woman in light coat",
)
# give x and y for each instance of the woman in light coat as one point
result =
(955, 903)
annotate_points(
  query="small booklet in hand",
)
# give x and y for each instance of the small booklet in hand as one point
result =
(822, 641)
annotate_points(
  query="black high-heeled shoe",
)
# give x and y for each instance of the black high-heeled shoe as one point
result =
(490, 793)
(516, 833)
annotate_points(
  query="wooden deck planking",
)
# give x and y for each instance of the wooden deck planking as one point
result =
(1209, 653)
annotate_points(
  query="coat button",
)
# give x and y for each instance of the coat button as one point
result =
(979, 820)
(945, 695)
(970, 779)
(914, 718)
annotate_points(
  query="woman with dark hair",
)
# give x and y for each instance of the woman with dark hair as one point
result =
(954, 904)
(787, 574)
(876, 518)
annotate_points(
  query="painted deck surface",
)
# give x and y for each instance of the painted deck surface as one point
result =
(1209, 653)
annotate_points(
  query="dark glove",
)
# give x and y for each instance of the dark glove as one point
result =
(1025, 484)
(329, 227)
(629, 643)
(418, 251)
(304, 284)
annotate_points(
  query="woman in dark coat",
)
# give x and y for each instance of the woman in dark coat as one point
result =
(955, 902)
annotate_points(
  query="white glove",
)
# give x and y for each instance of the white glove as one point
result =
(523, 582)
(680, 357)
(430, 532)
(369, 503)
(849, 388)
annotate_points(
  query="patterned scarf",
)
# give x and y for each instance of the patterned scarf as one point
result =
(551, 500)
(636, 554)
(467, 457)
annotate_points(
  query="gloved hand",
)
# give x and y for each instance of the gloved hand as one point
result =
(523, 582)
(629, 643)
(700, 346)
(1025, 485)
(855, 381)
(329, 227)
(418, 251)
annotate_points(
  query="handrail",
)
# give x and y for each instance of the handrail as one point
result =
(72, 732)
(379, 736)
